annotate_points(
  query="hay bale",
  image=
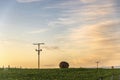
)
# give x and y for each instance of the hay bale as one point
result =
(64, 64)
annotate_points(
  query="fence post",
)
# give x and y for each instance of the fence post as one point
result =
(119, 77)
(112, 77)
(100, 78)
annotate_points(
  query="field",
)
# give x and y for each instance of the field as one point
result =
(59, 74)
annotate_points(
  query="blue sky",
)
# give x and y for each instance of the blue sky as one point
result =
(79, 31)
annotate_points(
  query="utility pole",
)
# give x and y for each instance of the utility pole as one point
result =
(38, 50)
(97, 64)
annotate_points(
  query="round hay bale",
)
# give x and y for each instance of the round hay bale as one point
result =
(64, 64)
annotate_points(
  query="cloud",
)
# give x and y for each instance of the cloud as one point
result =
(51, 47)
(27, 1)
(91, 12)
(37, 31)
(80, 14)
(93, 42)
(88, 1)
(101, 40)
(62, 21)
(94, 32)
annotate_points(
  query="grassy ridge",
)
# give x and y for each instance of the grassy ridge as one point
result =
(58, 74)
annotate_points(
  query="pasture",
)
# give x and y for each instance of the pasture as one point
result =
(59, 74)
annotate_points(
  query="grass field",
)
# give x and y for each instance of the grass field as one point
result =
(58, 74)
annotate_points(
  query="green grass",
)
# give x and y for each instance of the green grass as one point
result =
(58, 74)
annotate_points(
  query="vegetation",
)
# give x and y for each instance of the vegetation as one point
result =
(58, 74)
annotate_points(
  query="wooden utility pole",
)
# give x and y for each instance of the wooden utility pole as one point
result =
(38, 50)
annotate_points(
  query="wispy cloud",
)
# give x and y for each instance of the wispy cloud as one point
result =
(37, 31)
(85, 30)
(101, 41)
(77, 15)
(88, 1)
(94, 32)
(26, 1)
(51, 47)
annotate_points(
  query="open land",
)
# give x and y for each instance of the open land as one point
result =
(59, 74)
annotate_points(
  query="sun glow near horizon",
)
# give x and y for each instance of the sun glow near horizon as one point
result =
(80, 32)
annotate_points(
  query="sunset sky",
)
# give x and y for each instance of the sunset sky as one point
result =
(80, 32)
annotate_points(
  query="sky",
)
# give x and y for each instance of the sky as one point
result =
(80, 32)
